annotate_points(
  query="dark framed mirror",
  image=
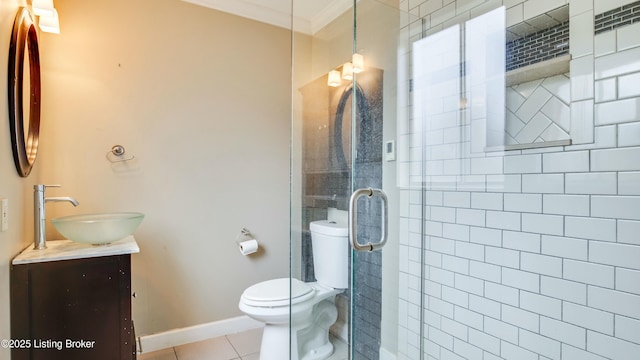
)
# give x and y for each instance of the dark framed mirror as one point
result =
(24, 91)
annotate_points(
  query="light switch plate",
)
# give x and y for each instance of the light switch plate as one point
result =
(390, 150)
(4, 213)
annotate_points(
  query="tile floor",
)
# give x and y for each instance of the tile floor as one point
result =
(240, 346)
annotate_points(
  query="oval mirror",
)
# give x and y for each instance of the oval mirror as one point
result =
(343, 132)
(24, 92)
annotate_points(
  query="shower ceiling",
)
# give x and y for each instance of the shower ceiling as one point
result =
(311, 15)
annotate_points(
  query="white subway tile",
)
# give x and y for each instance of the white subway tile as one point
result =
(501, 293)
(566, 204)
(514, 352)
(431, 198)
(521, 241)
(482, 235)
(591, 183)
(486, 165)
(605, 43)
(616, 112)
(504, 183)
(455, 232)
(503, 220)
(570, 161)
(543, 183)
(588, 273)
(465, 350)
(627, 36)
(455, 264)
(485, 271)
(628, 280)
(543, 224)
(535, 8)
(627, 329)
(611, 347)
(587, 317)
(538, 123)
(629, 232)
(541, 304)
(628, 85)
(540, 344)
(581, 34)
(606, 90)
(469, 284)
(501, 330)
(520, 164)
(521, 279)
(455, 296)
(441, 338)
(520, 318)
(484, 341)
(572, 353)
(563, 289)
(590, 228)
(457, 199)
(582, 85)
(624, 159)
(582, 122)
(614, 301)
(453, 328)
(470, 251)
(502, 257)
(565, 247)
(488, 201)
(619, 63)
(621, 207)
(561, 331)
(629, 134)
(541, 264)
(442, 245)
(470, 217)
(523, 202)
(443, 214)
(441, 307)
(469, 318)
(433, 228)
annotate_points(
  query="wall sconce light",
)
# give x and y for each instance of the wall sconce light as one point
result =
(358, 63)
(42, 7)
(347, 71)
(49, 21)
(334, 78)
(50, 24)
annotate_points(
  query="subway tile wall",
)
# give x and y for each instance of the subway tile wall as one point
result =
(539, 46)
(528, 254)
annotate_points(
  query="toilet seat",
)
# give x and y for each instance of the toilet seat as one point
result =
(272, 293)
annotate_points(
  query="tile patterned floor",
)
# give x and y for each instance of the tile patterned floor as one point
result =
(241, 346)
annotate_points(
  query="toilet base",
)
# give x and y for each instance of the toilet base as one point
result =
(310, 337)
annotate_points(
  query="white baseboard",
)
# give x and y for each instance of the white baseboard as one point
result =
(386, 355)
(177, 337)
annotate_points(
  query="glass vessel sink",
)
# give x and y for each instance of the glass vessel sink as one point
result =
(98, 229)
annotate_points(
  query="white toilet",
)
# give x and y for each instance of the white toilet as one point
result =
(311, 308)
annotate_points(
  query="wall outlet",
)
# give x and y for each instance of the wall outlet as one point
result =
(4, 214)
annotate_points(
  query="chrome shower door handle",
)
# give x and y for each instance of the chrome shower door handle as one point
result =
(353, 219)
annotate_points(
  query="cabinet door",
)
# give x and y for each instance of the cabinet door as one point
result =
(74, 309)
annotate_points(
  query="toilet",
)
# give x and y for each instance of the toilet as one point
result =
(311, 307)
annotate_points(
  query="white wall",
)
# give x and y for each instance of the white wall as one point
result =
(530, 254)
(12, 187)
(202, 100)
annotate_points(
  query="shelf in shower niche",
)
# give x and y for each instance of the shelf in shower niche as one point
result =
(543, 69)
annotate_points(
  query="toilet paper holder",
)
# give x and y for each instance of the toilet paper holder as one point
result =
(246, 242)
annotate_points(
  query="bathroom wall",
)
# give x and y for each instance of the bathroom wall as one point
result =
(12, 186)
(202, 100)
(530, 254)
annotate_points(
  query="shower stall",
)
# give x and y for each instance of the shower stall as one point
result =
(493, 148)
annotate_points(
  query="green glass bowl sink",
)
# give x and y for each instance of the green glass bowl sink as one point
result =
(98, 229)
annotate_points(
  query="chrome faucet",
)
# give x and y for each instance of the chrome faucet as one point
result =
(39, 240)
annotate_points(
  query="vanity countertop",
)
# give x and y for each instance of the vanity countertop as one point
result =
(67, 250)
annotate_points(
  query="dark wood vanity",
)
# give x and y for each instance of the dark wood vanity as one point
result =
(72, 309)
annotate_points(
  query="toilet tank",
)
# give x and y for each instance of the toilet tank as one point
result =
(330, 244)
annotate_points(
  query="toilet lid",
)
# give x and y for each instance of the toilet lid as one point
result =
(277, 290)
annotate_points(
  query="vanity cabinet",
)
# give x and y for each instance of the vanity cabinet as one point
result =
(72, 309)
